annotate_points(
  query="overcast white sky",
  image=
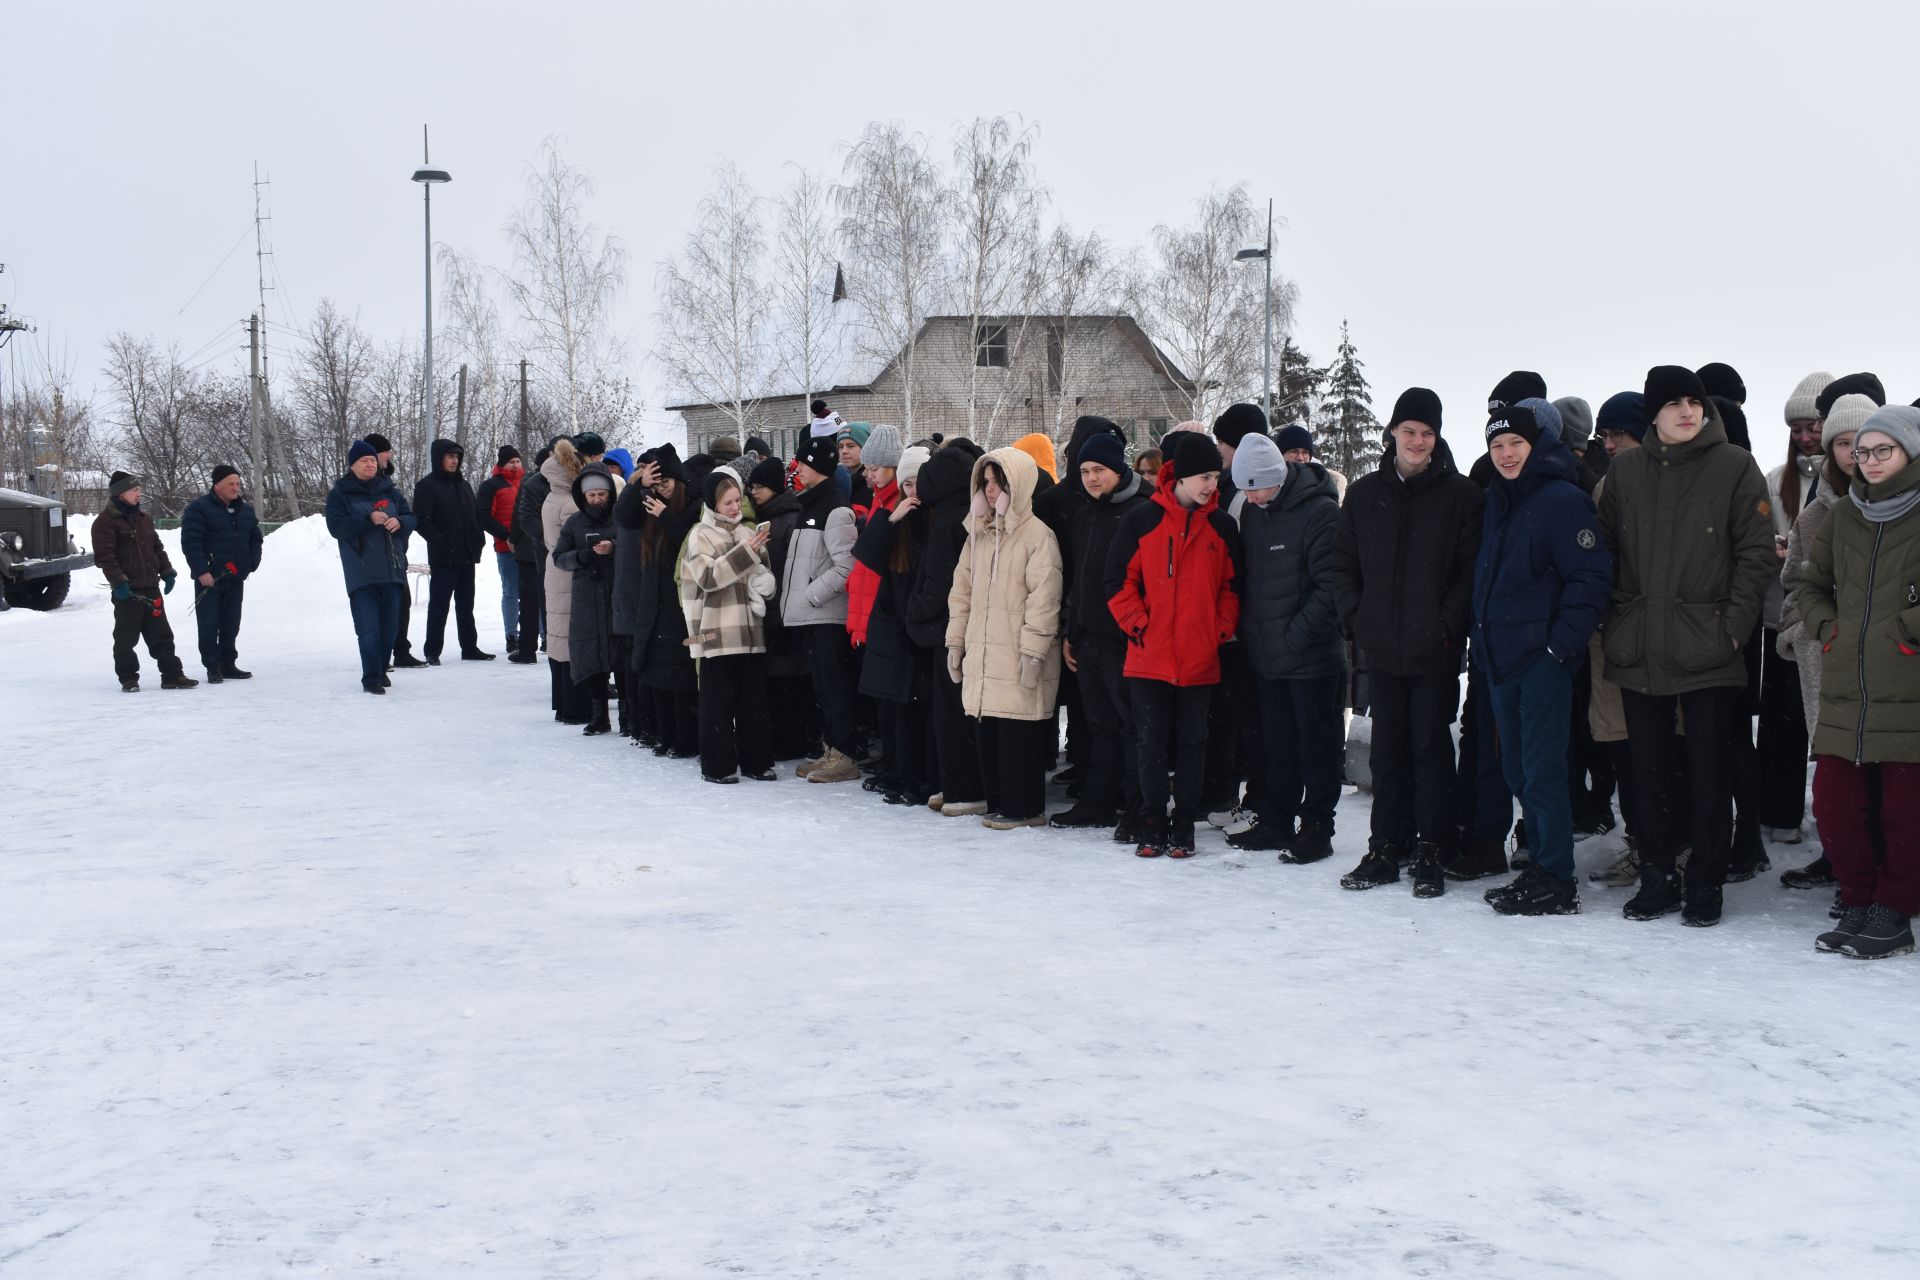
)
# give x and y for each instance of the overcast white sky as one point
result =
(1582, 189)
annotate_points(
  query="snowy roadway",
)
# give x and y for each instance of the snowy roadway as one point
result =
(297, 982)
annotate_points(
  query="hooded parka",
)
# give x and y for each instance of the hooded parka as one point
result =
(1005, 601)
(590, 611)
(559, 470)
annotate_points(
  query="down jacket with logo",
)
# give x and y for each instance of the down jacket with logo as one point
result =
(813, 580)
(1289, 620)
(1170, 585)
(1691, 531)
(1005, 600)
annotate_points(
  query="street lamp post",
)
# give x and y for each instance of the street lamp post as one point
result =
(427, 178)
(1266, 358)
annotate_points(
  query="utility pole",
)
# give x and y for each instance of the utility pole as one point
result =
(258, 458)
(526, 445)
(265, 411)
(1266, 358)
(460, 411)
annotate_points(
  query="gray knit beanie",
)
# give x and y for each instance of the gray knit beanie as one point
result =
(1576, 422)
(883, 447)
(1257, 463)
(1849, 414)
(1801, 404)
(1899, 423)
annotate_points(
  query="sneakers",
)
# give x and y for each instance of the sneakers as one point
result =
(1539, 893)
(181, 681)
(835, 766)
(1233, 821)
(1153, 839)
(1702, 910)
(1622, 873)
(1817, 874)
(1428, 880)
(1659, 896)
(1314, 843)
(1000, 822)
(806, 767)
(1379, 867)
(1080, 817)
(1477, 859)
(1180, 840)
(1852, 920)
(1264, 837)
(962, 808)
(1886, 932)
(1597, 823)
(1500, 892)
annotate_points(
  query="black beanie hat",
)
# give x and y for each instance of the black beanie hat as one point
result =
(667, 458)
(1195, 455)
(755, 444)
(822, 453)
(1521, 384)
(769, 474)
(1514, 420)
(1854, 384)
(1418, 404)
(121, 481)
(222, 471)
(1237, 422)
(589, 444)
(1733, 419)
(1667, 382)
(379, 442)
(1723, 381)
(507, 454)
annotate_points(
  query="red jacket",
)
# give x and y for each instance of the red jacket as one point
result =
(495, 500)
(863, 584)
(1170, 581)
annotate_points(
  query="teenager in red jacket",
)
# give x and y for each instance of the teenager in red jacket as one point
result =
(1170, 585)
(495, 502)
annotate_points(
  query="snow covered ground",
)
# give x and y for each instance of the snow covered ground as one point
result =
(294, 981)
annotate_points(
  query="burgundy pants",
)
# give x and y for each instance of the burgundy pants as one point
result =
(1842, 808)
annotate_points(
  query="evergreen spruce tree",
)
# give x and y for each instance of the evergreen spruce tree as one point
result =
(1296, 386)
(1346, 434)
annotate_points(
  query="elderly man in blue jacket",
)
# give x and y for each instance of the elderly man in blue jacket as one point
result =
(370, 519)
(1540, 588)
(220, 540)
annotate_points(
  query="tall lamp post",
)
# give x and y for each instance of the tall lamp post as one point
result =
(1266, 359)
(427, 178)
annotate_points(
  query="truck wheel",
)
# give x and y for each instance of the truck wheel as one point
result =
(40, 593)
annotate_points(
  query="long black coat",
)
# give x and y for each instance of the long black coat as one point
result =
(943, 487)
(1289, 621)
(629, 518)
(660, 653)
(527, 546)
(1403, 558)
(590, 640)
(443, 504)
(888, 668)
(782, 515)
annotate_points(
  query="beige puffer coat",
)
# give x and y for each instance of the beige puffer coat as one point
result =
(724, 588)
(560, 468)
(1005, 601)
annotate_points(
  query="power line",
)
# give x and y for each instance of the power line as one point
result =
(216, 271)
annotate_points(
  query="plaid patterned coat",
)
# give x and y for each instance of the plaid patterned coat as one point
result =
(724, 588)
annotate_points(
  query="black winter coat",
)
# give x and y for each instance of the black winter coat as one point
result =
(590, 643)
(1289, 619)
(1403, 558)
(1057, 507)
(534, 489)
(887, 667)
(443, 503)
(660, 653)
(629, 518)
(214, 535)
(782, 516)
(943, 488)
(1088, 620)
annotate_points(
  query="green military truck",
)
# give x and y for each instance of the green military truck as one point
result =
(38, 557)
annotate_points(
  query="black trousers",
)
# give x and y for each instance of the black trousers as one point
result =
(625, 682)
(533, 604)
(1586, 758)
(1305, 749)
(137, 620)
(906, 733)
(1620, 757)
(218, 618)
(1164, 713)
(1783, 739)
(734, 730)
(830, 663)
(1684, 784)
(451, 584)
(403, 647)
(795, 716)
(1234, 751)
(1412, 756)
(1112, 780)
(676, 717)
(955, 735)
(569, 699)
(1013, 764)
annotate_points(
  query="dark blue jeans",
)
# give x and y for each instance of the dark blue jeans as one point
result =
(218, 616)
(1305, 730)
(376, 621)
(1534, 711)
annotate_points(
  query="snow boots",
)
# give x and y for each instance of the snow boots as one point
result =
(1080, 817)
(1180, 839)
(599, 723)
(1885, 933)
(1477, 859)
(1264, 837)
(180, 681)
(1702, 909)
(1817, 874)
(835, 766)
(1380, 866)
(1536, 892)
(1659, 896)
(1153, 838)
(1313, 844)
(1429, 881)
(1852, 920)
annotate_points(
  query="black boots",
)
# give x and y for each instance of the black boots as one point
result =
(1536, 893)
(1380, 866)
(1659, 895)
(1478, 859)
(599, 724)
(1428, 879)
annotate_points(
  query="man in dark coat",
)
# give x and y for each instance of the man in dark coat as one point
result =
(443, 504)
(530, 560)
(129, 553)
(370, 519)
(1290, 633)
(1541, 585)
(1403, 560)
(402, 646)
(1096, 649)
(220, 539)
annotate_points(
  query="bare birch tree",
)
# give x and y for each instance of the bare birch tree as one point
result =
(474, 338)
(154, 398)
(714, 302)
(805, 345)
(1204, 308)
(1080, 284)
(568, 274)
(994, 212)
(890, 199)
(335, 368)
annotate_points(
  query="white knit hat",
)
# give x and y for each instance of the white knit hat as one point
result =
(1848, 415)
(1801, 404)
(911, 460)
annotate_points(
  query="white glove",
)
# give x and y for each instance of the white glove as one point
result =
(954, 657)
(1029, 671)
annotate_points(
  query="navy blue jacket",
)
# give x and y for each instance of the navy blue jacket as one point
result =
(1545, 576)
(369, 556)
(214, 535)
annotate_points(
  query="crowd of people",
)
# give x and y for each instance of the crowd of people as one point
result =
(1622, 593)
